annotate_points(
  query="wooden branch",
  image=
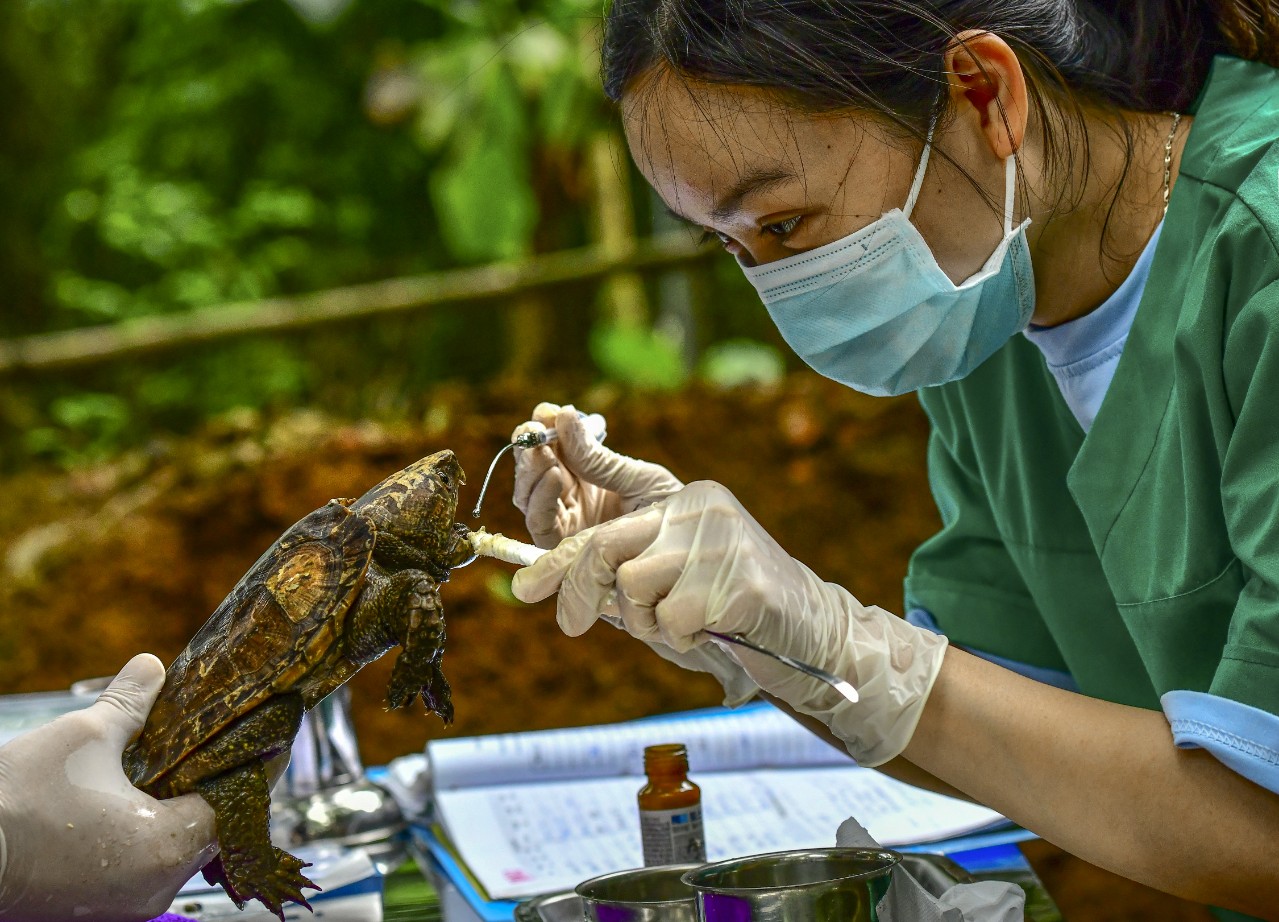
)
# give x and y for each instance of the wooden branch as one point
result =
(150, 335)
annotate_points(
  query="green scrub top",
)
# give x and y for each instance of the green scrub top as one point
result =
(1144, 557)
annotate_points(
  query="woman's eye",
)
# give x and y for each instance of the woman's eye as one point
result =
(785, 228)
(709, 235)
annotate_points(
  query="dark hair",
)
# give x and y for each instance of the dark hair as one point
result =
(885, 56)
(1146, 55)
(1158, 53)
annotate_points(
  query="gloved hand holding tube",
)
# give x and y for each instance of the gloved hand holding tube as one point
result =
(77, 840)
(576, 482)
(696, 561)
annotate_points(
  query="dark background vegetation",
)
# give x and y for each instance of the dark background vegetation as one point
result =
(159, 157)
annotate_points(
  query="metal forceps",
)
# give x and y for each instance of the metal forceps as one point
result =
(843, 686)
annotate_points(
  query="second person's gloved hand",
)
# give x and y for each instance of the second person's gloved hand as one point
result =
(576, 481)
(696, 561)
(77, 840)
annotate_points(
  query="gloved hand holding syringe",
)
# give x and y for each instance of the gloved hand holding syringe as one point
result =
(679, 564)
(501, 547)
(512, 551)
(531, 438)
(566, 481)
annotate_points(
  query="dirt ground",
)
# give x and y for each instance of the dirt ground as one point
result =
(108, 561)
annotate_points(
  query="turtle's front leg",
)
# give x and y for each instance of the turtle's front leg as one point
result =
(418, 668)
(407, 610)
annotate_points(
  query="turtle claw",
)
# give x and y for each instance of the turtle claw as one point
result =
(428, 681)
(437, 695)
(444, 707)
(284, 884)
(401, 692)
(215, 875)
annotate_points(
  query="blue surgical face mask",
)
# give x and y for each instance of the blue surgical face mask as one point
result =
(874, 311)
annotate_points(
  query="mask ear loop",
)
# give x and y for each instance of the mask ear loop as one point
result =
(1010, 189)
(1010, 182)
(920, 170)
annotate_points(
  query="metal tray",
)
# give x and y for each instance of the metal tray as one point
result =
(933, 871)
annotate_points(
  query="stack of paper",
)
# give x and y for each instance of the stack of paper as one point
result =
(534, 813)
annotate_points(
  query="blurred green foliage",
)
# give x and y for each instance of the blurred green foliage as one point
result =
(215, 153)
(641, 356)
(164, 155)
(740, 363)
(509, 97)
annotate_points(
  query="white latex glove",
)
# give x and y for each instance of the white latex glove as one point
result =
(697, 560)
(77, 840)
(576, 482)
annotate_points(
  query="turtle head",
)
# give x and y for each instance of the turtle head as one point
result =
(417, 505)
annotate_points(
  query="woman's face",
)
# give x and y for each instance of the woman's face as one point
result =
(771, 182)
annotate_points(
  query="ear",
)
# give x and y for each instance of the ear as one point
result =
(988, 87)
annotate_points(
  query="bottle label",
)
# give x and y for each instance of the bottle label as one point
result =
(673, 836)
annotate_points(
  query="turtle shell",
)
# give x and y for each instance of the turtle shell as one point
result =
(280, 620)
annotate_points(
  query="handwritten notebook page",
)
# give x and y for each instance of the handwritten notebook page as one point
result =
(523, 840)
(759, 736)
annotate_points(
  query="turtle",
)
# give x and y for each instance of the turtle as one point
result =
(337, 590)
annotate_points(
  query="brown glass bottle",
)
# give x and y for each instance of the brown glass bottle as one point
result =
(670, 809)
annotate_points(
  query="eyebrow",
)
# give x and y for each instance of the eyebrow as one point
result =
(751, 182)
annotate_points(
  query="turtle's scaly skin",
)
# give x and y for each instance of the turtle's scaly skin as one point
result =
(335, 592)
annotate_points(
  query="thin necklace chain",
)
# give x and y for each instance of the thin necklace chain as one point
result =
(1172, 136)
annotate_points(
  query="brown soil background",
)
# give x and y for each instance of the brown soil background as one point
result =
(108, 561)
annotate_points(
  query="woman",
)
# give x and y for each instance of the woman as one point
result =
(1092, 639)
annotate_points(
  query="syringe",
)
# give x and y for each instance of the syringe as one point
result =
(594, 423)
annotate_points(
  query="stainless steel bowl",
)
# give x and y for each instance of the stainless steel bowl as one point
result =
(655, 894)
(935, 872)
(813, 885)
